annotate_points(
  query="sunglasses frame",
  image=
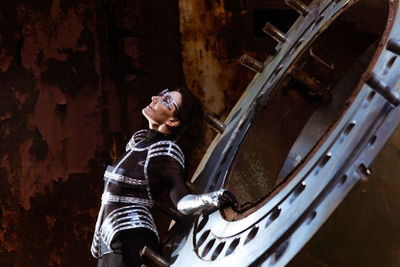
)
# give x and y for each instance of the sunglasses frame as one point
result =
(166, 104)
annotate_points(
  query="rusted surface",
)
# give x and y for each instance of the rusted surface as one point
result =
(53, 98)
(210, 50)
(65, 115)
(308, 81)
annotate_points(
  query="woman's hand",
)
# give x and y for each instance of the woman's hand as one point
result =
(194, 204)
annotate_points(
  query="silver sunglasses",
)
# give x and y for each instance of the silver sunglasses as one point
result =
(168, 101)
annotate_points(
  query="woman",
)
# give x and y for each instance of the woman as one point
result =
(153, 162)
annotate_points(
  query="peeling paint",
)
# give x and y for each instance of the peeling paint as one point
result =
(207, 70)
(50, 108)
(61, 123)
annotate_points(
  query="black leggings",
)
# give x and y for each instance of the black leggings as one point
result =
(126, 248)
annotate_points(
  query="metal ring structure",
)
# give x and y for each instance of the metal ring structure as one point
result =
(274, 230)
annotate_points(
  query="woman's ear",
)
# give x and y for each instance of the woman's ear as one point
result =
(173, 122)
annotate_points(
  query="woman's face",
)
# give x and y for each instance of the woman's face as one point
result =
(162, 107)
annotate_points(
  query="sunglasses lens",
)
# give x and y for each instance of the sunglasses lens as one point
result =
(167, 101)
(163, 92)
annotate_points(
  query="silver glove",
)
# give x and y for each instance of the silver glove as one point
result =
(195, 204)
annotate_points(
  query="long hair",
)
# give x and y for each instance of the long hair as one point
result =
(189, 134)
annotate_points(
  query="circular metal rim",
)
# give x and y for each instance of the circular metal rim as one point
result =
(385, 119)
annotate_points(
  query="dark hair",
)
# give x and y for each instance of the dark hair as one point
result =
(189, 133)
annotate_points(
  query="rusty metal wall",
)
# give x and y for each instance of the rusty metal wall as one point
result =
(55, 127)
(211, 48)
(66, 110)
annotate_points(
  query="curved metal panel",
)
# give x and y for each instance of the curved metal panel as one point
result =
(279, 224)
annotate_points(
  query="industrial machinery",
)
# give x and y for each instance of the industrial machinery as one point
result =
(300, 137)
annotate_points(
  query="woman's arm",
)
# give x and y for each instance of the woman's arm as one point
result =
(171, 173)
(194, 204)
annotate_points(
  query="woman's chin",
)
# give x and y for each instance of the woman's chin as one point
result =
(145, 112)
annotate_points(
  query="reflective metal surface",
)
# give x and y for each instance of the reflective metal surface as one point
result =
(339, 117)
